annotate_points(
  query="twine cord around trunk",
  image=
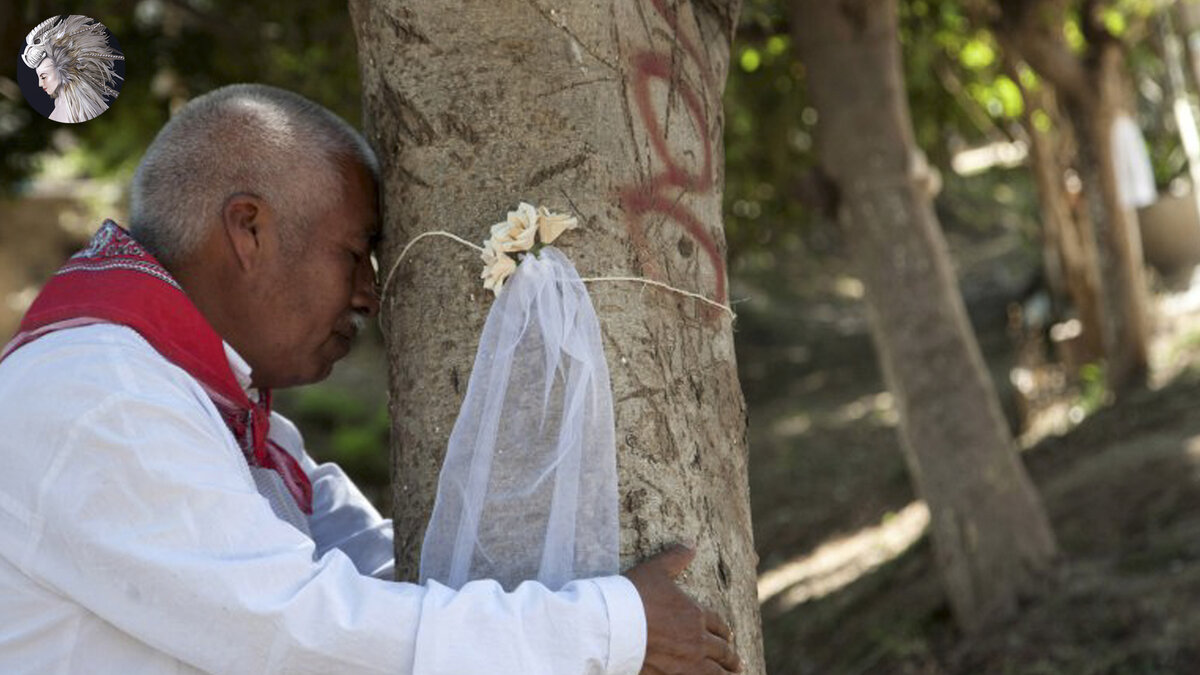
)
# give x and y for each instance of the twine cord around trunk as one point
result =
(383, 291)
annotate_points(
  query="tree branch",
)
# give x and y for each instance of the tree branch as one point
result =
(1039, 45)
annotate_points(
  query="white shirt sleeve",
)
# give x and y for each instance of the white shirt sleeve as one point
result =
(127, 496)
(342, 517)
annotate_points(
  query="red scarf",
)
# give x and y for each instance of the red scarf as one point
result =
(115, 280)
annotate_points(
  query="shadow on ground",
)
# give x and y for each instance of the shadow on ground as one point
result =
(1122, 490)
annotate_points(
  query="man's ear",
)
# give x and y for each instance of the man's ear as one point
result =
(248, 222)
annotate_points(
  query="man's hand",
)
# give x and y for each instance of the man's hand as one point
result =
(681, 637)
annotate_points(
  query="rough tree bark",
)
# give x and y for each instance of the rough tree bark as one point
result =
(611, 111)
(991, 537)
(1068, 241)
(1092, 90)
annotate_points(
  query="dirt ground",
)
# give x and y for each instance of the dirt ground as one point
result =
(846, 576)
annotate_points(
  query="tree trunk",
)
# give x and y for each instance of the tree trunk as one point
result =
(612, 112)
(1127, 336)
(1068, 243)
(1092, 91)
(990, 533)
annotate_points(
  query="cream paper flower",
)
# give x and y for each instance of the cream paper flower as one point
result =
(550, 224)
(517, 232)
(496, 267)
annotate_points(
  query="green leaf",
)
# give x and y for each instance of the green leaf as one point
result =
(1074, 35)
(977, 54)
(777, 44)
(1029, 78)
(1010, 96)
(750, 60)
(1114, 21)
(1041, 121)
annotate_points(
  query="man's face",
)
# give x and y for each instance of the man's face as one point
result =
(47, 77)
(323, 289)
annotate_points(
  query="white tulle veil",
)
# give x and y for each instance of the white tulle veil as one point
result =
(528, 489)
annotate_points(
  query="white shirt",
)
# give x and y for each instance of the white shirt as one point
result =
(1131, 163)
(133, 540)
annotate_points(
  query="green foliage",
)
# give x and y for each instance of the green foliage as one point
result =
(960, 94)
(1094, 393)
(768, 141)
(1074, 34)
(981, 205)
(962, 91)
(327, 408)
(177, 50)
(1114, 21)
(977, 53)
(361, 449)
(1041, 121)
(750, 60)
(342, 427)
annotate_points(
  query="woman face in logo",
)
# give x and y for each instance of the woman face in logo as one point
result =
(47, 76)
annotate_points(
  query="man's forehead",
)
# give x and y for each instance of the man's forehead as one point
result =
(366, 226)
(359, 177)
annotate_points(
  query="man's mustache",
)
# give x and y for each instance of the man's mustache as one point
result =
(358, 323)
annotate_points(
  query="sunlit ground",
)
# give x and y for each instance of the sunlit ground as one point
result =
(840, 561)
(1177, 331)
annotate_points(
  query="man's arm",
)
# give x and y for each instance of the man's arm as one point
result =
(123, 494)
(342, 517)
(682, 637)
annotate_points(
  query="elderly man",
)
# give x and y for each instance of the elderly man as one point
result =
(156, 517)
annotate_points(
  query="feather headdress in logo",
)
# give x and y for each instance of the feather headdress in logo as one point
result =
(78, 47)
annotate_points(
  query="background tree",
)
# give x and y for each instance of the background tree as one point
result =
(1069, 248)
(991, 535)
(174, 50)
(613, 113)
(1094, 88)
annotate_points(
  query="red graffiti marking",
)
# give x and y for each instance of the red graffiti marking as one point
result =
(660, 194)
(642, 202)
(698, 57)
(649, 66)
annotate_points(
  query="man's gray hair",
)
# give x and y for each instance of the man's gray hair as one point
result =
(243, 138)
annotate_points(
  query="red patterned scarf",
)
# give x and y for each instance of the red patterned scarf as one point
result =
(115, 280)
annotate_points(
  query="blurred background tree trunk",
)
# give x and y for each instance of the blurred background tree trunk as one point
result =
(613, 113)
(1093, 89)
(1068, 241)
(990, 532)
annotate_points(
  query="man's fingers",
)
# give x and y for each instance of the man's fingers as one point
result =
(675, 559)
(716, 626)
(722, 652)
